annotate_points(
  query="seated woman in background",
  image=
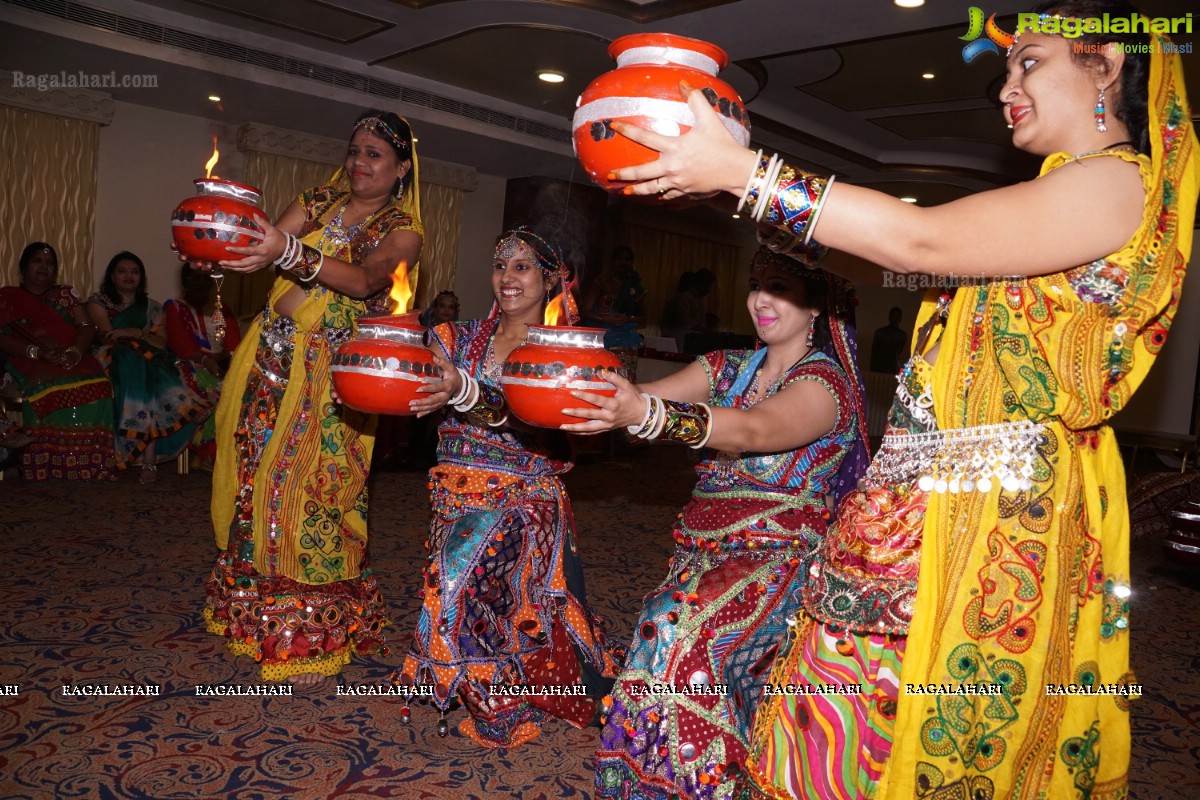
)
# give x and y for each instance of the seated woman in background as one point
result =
(444, 308)
(67, 408)
(156, 411)
(200, 332)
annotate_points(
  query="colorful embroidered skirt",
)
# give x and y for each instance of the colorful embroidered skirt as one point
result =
(504, 605)
(679, 718)
(288, 626)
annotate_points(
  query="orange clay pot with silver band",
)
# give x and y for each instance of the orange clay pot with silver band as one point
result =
(380, 369)
(220, 215)
(538, 376)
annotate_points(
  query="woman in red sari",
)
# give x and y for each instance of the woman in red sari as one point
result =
(44, 339)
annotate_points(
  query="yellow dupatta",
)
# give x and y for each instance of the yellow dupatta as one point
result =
(310, 486)
(1029, 590)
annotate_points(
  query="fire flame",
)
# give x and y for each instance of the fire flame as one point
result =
(554, 309)
(401, 293)
(212, 162)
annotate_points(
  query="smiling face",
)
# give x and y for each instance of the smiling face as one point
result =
(39, 271)
(1049, 98)
(518, 283)
(372, 165)
(778, 307)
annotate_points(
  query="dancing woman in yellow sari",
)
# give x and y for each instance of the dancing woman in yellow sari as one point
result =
(1000, 483)
(293, 586)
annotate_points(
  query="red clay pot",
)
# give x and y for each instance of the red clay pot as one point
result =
(644, 90)
(380, 369)
(538, 376)
(220, 215)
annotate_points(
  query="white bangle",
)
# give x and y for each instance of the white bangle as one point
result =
(645, 417)
(292, 251)
(660, 421)
(816, 212)
(749, 180)
(315, 272)
(463, 390)
(472, 398)
(770, 179)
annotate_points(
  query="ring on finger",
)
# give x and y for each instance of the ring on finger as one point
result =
(661, 190)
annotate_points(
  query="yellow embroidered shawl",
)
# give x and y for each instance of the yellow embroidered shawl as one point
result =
(1030, 589)
(310, 486)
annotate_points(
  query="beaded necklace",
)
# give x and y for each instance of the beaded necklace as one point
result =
(751, 397)
(1126, 147)
(337, 234)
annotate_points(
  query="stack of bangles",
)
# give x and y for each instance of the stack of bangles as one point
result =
(781, 195)
(300, 259)
(72, 355)
(480, 402)
(686, 423)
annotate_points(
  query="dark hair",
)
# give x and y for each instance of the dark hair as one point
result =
(30, 249)
(1131, 102)
(685, 281)
(396, 132)
(109, 289)
(622, 250)
(814, 286)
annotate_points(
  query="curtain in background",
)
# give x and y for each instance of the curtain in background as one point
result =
(282, 178)
(441, 213)
(660, 257)
(48, 172)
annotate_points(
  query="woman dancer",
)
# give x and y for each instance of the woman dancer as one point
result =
(157, 410)
(781, 423)
(504, 600)
(1002, 482)
(293, 586)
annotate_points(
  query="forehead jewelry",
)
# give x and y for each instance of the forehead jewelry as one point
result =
(377, 125)
(509, 247)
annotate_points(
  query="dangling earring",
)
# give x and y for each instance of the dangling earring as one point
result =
(812, 325)
(1099, 113)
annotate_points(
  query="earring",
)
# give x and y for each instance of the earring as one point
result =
(812, 325)
(1099, 113)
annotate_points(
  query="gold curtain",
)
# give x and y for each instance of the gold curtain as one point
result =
(282, 178)
(441, 213)
(48, 171)
(662, 256)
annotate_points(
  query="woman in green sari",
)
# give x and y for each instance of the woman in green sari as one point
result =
(157, 410)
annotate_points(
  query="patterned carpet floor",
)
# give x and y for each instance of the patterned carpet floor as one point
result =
(103, 586)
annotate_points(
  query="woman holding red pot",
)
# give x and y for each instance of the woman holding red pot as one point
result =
(504, 601)
(292, 586)
(784, 430)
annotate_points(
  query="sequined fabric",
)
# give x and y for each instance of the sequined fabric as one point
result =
(503, 594)
(679, 716)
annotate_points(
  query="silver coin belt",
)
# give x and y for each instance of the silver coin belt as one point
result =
(960, 459)
(280, 336)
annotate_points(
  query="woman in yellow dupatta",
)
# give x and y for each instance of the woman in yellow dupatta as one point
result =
(999, 477)
(292, 586)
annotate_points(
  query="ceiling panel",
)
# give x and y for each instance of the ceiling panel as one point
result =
(306, 16)
(977, 125)
(503, 61)
(635, 10)
(883, 73)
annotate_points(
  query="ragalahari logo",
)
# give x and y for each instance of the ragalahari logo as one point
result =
(984, 37)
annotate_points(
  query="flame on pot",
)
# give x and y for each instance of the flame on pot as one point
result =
(212, 162)
(401, 293)
(554, 310)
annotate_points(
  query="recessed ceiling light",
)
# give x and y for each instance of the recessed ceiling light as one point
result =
(909, 199)
(551, 76)
(909, 3)
(737, 216)
(927, 76)
(214, 98)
